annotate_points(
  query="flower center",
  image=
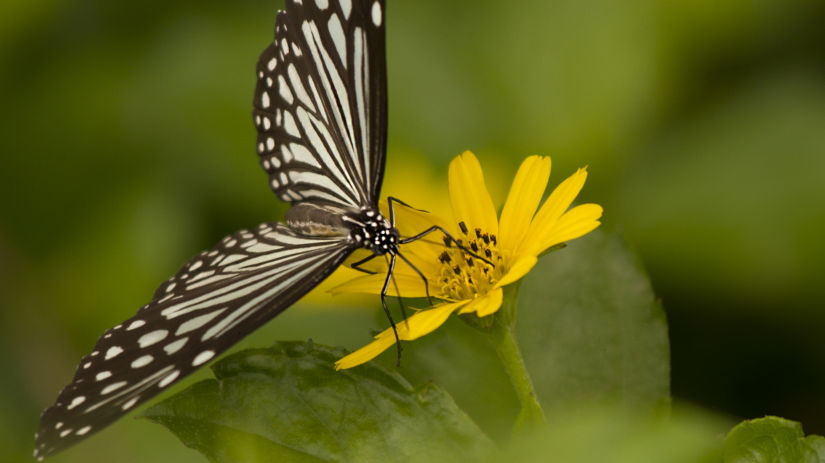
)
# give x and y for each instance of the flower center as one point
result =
(464, 276)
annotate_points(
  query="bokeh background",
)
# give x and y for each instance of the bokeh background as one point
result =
(127, 147)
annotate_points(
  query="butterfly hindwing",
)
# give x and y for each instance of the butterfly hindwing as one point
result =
(215, 300)
(321, 102)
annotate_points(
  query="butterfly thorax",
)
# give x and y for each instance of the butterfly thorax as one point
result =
(373, 231)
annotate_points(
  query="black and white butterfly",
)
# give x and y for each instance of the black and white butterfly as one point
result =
(320, 109)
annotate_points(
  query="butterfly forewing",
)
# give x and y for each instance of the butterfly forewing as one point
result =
(321, 104)
(215, 300)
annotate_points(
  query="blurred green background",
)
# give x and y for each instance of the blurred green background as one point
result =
(127, 147)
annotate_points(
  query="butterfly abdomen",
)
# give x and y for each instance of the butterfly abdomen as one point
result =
(318, 219)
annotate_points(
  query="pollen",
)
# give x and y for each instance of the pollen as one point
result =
(464, 276)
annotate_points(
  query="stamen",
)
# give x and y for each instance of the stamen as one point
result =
(466, 272)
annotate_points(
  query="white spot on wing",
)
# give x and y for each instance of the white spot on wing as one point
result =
(346, 6)
(131, 403)
(322, 4)
(83, 430)
(113, 387)
(151, 338)
(289, 125)
(265, 99)
(103, 375)
(142, 361)
(76, 401)
(135, 324)
(175, 346)
(376, 13)
(284, 91)
(113, 352)
(169, 378)
(298, 87)
(197, 322)
(203, 357)
(337, 34)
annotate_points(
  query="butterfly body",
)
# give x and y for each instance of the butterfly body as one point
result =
(366, 228)
(373, 231)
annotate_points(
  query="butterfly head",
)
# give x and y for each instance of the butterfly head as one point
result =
(374, 232)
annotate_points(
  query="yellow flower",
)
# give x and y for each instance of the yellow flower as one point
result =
(512, 243)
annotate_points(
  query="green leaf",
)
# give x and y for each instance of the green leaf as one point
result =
(772, 440)
(621, 435)
(590, 330)
(287, 403)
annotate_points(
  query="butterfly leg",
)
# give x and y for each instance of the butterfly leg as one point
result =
(356, 265)
(426, 284)
(449, 236)
(387, 310)
(400, 300)
(392, 199)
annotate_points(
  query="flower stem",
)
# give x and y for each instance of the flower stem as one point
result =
(504, 339)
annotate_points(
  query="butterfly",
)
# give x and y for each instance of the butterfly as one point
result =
(320, 109)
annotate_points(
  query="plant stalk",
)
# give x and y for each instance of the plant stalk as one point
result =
(504, 339)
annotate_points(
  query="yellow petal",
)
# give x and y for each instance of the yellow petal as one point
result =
(485, 305)
(407, 285)
(545, 219)
(426, 321)
(575, 223)
(469, 196)
(420, 324)
(524, 197)
(518, 270)
(411, 222)
(366, 353)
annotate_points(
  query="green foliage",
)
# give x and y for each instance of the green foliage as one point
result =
(287, 403)
(772, 440)
(591, 334)
(588, 326)
(621, 435)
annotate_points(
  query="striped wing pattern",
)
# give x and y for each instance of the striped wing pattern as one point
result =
(320, 102)
(215, 300)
